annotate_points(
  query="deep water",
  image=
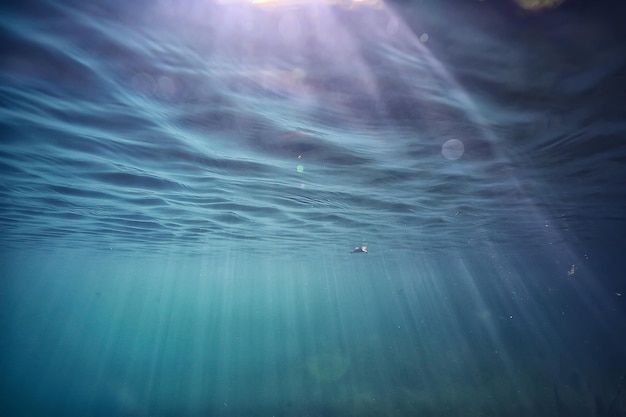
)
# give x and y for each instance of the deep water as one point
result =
(183, 184)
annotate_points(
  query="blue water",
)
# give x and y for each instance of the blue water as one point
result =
(183, 183)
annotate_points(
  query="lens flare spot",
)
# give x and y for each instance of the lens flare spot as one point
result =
(300, 168)
(535, 5)
(452, 149)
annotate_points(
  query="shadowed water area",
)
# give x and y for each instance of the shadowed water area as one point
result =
(184, 184)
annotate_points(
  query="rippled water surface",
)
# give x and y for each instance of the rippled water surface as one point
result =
(183, 184)
(160, 127)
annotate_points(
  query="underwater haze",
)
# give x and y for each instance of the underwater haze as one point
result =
(310, 208)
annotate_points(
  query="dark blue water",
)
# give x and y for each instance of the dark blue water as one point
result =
(182, 184)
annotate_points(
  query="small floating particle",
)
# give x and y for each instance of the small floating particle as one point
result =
(360, 249)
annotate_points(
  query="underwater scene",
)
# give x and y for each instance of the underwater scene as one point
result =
(313, 208)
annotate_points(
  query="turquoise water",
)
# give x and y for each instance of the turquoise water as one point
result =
(184, 184)
(325, 335)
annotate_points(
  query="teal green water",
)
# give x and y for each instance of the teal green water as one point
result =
(325, 335)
